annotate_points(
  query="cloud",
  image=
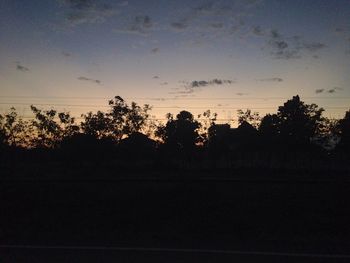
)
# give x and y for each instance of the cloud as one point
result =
(20, 67)
(155, 50)
(257, 31)
(164, 83)
(87, 11)
(78, 4)
(223, 17)
(196, 85)
(294, 47)
(217, 25)
(334, 90)
(139, 25)
(199, 83)
(181, 92)
(66, 54)
(313, 46)
(344, 33)
(89, 79)
(330, 91)
(204, 83)
(271, 80)
(339, 30)
(155, 77)
(123, 3)
(179, 25)
(281, 48)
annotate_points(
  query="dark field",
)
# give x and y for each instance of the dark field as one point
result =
(242, 215)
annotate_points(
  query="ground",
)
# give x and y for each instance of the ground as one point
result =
(278, 216)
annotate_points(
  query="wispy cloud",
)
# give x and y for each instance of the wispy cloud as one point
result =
(217, 25)
(66, 54)
(257, 31)
(330, 91)
(124, 3)
(334, 90)
(241, 94)
(282, 47)
(91, 80)
(344, 33)
(223, 18)
(313, 46)
(204, 83)
(20, 67)
(196, 85)
(87, 11)
(180, 25)
(139, 25)
(270, 80)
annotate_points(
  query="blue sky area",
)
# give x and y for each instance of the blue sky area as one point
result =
(253, 53)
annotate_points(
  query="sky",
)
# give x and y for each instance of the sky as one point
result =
(221, 55)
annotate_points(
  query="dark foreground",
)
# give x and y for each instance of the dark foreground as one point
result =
(106, 221)
(87, 255)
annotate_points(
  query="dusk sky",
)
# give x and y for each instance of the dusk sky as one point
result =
(194, 55)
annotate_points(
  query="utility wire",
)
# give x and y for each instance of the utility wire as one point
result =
(155, 107)
(171, 98)
(151, 119)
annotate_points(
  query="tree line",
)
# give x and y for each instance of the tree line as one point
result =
(298, 131)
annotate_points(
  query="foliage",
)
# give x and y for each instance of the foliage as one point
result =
(13, 130)
(128, 119)
(299, 121)
(343, 128)
(120, 121)
(208, 120)
(97, 125)
(47, 131)
(295, 123)
(270, 125)
(180, 133)
(248, 116)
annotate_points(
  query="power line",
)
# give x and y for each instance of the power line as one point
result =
(151, 119)
(156, 107)
(169, 98)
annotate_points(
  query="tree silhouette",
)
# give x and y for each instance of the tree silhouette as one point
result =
(97, 125)
(208, 120)
(297, 132)
(13, 130)
(68, 125)
(298, 122)
(120, 121)
(248, 116)
(47, 131)
(344, 132)
(219, 137)
(270, 126)
(180, 133)
(126, 119)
